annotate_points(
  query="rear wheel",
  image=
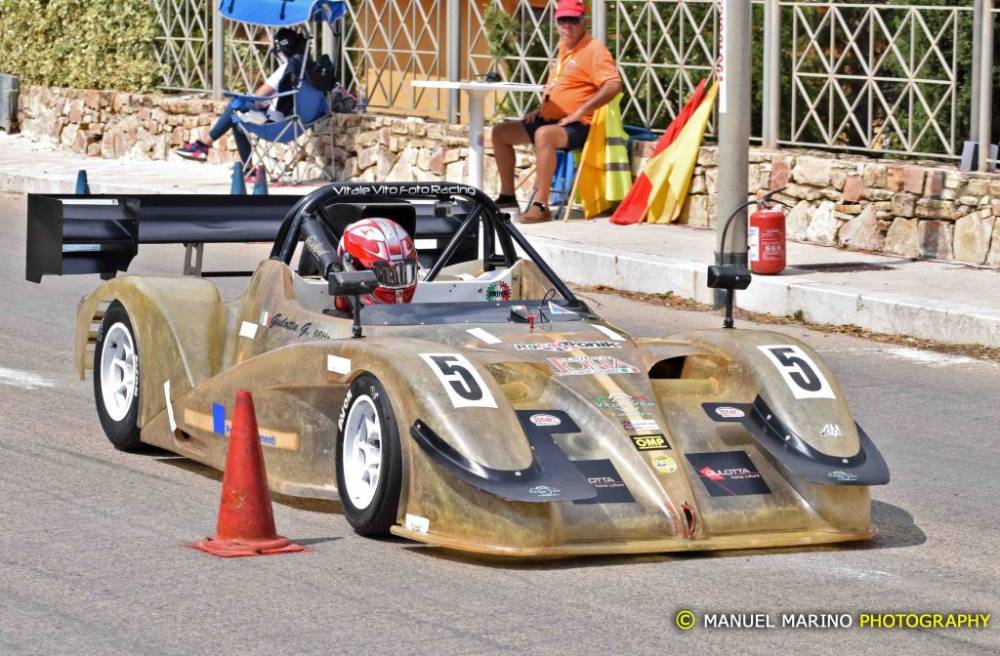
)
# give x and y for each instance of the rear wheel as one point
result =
(116, 379)
(369, 463)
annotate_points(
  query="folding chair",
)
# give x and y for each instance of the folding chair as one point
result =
(311, 112)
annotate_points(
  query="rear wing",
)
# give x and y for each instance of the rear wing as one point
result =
(101, 234)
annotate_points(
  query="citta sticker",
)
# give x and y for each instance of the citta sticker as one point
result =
(589, 365)
(728, 473)
(606, 480)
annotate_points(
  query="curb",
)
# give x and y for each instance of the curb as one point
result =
(892, 314)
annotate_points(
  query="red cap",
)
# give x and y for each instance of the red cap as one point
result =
(570, 8)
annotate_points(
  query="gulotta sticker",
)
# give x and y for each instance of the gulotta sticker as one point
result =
(567, 346)
(728, 473)
(589, 365)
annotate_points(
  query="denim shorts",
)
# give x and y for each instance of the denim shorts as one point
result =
(576, 133)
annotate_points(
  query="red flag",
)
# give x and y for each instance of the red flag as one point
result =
(633, 208)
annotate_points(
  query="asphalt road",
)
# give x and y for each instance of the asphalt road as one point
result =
(92, 556)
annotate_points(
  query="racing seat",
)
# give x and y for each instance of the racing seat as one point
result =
(279, 145)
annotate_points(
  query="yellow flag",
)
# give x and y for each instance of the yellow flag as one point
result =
(670, 171)
(605, 175)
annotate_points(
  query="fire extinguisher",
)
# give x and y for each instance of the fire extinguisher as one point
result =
(766, 240)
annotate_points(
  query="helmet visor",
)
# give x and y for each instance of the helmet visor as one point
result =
(398, 274)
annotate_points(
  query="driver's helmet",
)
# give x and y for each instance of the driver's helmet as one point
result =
(380, 245)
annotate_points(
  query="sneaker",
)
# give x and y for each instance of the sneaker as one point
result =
(506, 200)
(195, 150)
(537, 213)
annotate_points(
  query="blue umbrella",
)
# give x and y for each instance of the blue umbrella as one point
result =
(281, 13)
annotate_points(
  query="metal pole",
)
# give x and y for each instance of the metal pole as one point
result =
(734, 128)
(985, 85)
(599, 26)
(454, 53)
(772, 73)
(977, 28)
(218, 51)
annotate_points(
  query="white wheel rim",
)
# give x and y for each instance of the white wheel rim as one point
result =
(362, 455)
(119, 371)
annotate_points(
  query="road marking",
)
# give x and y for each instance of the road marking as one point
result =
(931, 358)
(24, 379)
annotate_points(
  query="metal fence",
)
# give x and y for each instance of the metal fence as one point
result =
(849, 76)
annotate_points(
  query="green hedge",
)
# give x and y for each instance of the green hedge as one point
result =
(84, 44)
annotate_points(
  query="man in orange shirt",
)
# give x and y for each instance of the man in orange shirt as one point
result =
(583, 79)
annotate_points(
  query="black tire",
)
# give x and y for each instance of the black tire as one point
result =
(379, 515)
(123, 432)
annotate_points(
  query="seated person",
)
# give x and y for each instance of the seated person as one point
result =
(290, 46)
(582, 80)
(383, 246)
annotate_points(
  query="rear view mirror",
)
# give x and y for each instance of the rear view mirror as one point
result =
(729, 276)
(352, 283)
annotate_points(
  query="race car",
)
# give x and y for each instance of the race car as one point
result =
(411, 355)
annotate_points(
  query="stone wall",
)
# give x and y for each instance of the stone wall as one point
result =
(913, 210)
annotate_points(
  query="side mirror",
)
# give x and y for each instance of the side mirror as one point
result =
(352, 283)
(728, 276)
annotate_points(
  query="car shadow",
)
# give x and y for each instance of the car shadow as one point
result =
(896, 529)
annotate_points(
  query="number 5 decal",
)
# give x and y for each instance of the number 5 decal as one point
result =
(460, 379)
(801, 374)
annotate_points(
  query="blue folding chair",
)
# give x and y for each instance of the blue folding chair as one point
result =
(311, 108)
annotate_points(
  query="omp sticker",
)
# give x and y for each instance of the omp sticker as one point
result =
(417, 524)
(664, 463)
(656, 442)
(248, 330)
(218, 424)
(464, 385)
(170, 407)
(563, 347)
(264, 319)
(589, 365)
(607, 331)
(337, 364)
(544, 420)
(484, 336)
(799, 372)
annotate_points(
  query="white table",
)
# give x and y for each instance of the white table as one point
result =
(477, 92)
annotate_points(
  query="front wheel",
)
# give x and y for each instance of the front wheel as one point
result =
(116, 379)
(369, 463)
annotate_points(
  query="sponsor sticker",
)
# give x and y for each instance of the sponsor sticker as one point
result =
(544, 491)
(264, 319)
(544, 420)
(728, 473)
(417, 524)
(842, 476)
(606, 480)
(498, 291)
(831, 430)
(338, 365)
(218, 424)
(567, 346)
(589, 365)
(664, 463)
(730, 412)
(248, 330)
(640, 425)
(625, 405)
(656, 442)
(170, 406)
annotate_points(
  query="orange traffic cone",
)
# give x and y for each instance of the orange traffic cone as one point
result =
(246, 523)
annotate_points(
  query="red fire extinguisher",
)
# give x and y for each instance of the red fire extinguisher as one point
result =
(766, 240)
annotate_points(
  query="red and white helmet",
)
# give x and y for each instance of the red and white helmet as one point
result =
(380, 245)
